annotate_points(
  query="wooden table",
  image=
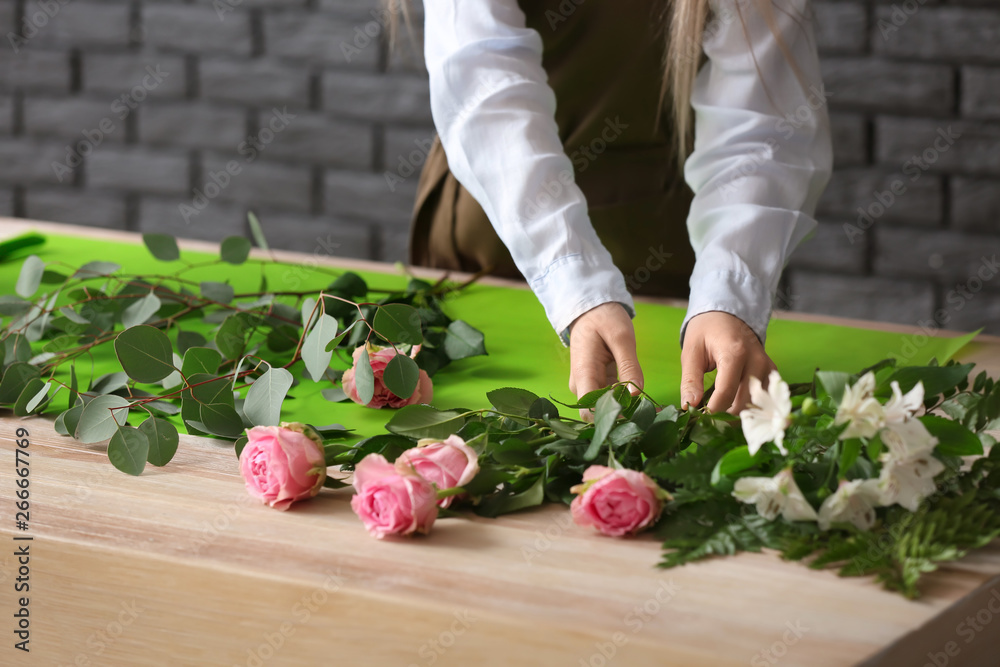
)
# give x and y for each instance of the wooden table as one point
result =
(181, 567)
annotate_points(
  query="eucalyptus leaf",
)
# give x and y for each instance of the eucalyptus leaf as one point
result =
(364, 378)
(201, 360)
(101, 418)
(162, 438)
(221, 419)
(15, 379)
(162, 246)
(401, 376)
(189, 339)
(231, 337)
(31, 395)
(218, 292)
(140, 311)
(235, 249)
(315, 356)
(128, 450)
(30, 277)
(265, 396)
(256, 231)
(145, 353)
(96, 269)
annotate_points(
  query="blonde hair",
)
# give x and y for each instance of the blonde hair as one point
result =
(685, 22)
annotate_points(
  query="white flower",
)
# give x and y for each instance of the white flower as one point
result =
(769, 413)
(899, 408)
(859, 407)
(852, 502)
(907, 481)
(908, 440)
(775, 495)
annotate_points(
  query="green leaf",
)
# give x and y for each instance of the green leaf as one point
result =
(30, 277)
(495, 505)
(162, 246)
(512, 401)
(543, 408)
(71, 419)
(364, 378)
(128, 450)
(423, 421)
(221, 419)
(235, 250)
(231, 337)
(331, 346)
(73, 316)
(256, 231)
(954, 439)
(188, 339)
(13, 305)
(140, 311)
(15, 379)
(201, 360)
(31, 396)
(334, 395)
(101, 418)
(145, 353)
(74, 388)
(850, 450)
(315, 356)
(736, 461)
(16, 348)
(833, 383)
(936, 379)
(95, 269)
(239, 445)
(218, 292)
(462, 341)
(401, 376)
(264, 398)
(398, 323)
(162, 438)
(606, 412)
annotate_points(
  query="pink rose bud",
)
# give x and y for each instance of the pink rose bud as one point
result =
(617, 502)
(382, 397)
(390, 501)
(283, 464)
(446, 464)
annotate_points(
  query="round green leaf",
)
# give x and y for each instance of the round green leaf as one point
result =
(398, 323)
(512, 401)
(162, 246)
(219, 292)
(140, 311)
(163, 439)
(145, 353)
(15, 379)
(101, 418)
(189, 339)
(30, 277)
(314, 353)
(462, 341)
(235, 250)
(263, 403)
(221, 419)
(423, 421)
(201, 360)
(128, 450)
(231, 337)
(95, 269)
(364, 378)
(401, 375)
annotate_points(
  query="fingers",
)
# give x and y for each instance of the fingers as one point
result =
(623, 349)
(727, 382)
(694, 365)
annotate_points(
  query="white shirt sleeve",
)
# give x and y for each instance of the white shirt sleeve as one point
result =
(495, 114)
(761, 159)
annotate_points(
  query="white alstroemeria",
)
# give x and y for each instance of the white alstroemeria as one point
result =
(907, 481)
(769, 413)
(852, 502)
(859, 408)
(908, 440)
(901, 407)
(775, 495)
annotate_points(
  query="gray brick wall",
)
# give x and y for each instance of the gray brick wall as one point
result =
(181, 116)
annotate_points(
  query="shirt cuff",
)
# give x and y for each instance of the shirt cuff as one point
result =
(574, 284)
(739, 294)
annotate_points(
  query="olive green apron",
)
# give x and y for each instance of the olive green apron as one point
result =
(603, 63)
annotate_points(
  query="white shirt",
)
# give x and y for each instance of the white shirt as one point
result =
(761, 159)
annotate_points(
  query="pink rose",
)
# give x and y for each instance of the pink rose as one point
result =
(283, 464)
(617, 502)
(447, 464)
(390, 501)
(383, 397)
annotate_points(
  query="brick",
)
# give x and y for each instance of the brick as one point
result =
(921, 202)
(850, 139)
(6, 201)
(73, 118)
(197, 29)
(831, 249)
(981, 310)
(191, 124)
(880, 85)
(225, 8)
(866, 298)
(407, 53)
(138, 170)
(939, 33)
(215, 222)
(85, 24)
(379, 98)
(76, 206)
(320, 236)
(323, 39)
(367, 197)
(917, 144)
(393, 246)
(258, 82)
(981, 92)
(947, 256)
(975, 204)
(321, 140)
(6, 114)
(26, 162)
(261, 183)
(841, 27)
(34, 70)
(404, 150)
(117, 74)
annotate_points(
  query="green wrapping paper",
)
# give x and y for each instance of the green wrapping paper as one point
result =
(523, 350)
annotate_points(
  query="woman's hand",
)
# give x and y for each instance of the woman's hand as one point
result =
(719, 340)
(602, 350)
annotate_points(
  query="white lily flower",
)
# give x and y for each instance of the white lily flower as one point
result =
(901, 407)
(775, 495)
(908, 440)
(852, 502)
(860, 409)
(907, 482)
(768, 415)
